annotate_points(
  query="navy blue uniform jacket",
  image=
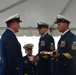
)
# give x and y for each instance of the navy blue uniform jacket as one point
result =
(11, 63)
(66, 63)
(46, 43)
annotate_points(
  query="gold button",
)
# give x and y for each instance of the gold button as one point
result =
(25, 74)
(16, 68)
(64, 64)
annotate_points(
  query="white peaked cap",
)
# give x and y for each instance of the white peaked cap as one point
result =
(61, 18)
(13, 18)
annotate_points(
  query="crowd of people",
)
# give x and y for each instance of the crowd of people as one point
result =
(48, 60)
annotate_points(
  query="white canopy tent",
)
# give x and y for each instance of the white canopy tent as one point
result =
(33, 11)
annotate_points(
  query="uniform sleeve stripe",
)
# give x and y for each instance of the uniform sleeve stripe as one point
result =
(68, 55)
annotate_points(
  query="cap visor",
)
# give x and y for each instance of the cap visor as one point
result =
(39, 27)
(56, 22)
(20, 21)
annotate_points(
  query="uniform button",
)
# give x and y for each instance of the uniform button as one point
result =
(32, 70)
(36, 73)
(16, 68)
(25, 74)
(64, 64)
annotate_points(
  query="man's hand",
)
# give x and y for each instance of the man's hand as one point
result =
(51, 53)
(44, 52)
(31, 58)
(36, 58)
(54, 55)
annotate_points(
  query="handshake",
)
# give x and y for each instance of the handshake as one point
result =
(31, 58)
(51, 53)
(34, 58)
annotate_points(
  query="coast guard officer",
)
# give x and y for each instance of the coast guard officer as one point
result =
(46, 43)
(29, 67)
(65, 63)
(11, 55)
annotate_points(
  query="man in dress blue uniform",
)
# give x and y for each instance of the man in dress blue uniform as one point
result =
(29, 67)
(11, 55)
(65, 63)
(46, 43)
